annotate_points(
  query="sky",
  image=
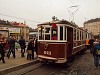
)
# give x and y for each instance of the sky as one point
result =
(38, 11)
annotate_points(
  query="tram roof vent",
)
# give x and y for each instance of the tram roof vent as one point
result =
(55, 18)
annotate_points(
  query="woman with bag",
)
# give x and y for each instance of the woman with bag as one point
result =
(30, 50)
(96, 52)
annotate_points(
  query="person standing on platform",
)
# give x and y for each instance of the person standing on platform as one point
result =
(22, 45)
(2, 52)
(31, 47)
(11, 44)
(91, 42)
(87, 43)
(96, 52)
(36, 46)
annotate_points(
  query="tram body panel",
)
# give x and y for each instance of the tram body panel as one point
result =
(78, 48)
(55, 51)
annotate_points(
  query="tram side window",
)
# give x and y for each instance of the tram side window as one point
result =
(77, 34)
(65, 34)
(80, 35)
(74, 34)
(54, 34)
(61, 33)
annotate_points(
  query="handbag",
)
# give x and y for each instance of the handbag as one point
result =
(29, 51)
(98, 49)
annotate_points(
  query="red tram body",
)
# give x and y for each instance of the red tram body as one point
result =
(60, 40)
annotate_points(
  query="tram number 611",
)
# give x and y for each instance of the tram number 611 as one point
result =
(47, 52)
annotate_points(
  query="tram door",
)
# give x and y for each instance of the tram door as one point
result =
(70, 41)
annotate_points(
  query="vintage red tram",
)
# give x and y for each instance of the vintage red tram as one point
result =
(59, 40)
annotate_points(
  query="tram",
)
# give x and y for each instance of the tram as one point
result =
(4, 31)
(59, 40)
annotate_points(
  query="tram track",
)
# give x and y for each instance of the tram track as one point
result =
(25, 72)
(49, 69)
(52, 69)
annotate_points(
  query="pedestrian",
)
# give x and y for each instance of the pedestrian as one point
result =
(36, 46)
(2, 52)
(30, 48)
(22, 45)
(5, 44)
(91, 42)
(96, 52)
(11, 44)
(87, 43)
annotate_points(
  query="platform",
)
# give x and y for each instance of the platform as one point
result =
(19, 62)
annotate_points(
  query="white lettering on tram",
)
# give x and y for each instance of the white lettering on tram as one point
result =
(47, 52)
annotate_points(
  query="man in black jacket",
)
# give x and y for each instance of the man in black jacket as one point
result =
(11, 44)
(91, 41)
(22, 45)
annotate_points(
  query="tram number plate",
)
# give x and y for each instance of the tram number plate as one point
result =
(47, 52)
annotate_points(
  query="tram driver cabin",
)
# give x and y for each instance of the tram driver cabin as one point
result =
(59, 40)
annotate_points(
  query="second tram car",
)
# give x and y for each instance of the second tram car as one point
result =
(59, 40)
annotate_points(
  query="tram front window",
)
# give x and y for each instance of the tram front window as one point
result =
(47, 33)
(54, 34)
(41, 31)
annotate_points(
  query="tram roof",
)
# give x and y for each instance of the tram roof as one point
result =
(59, 22)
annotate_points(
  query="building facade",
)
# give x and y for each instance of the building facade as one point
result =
(13, 28)
(93, 26)
(33, 33)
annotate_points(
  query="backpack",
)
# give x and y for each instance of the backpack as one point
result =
(22, 42)
(97, 47)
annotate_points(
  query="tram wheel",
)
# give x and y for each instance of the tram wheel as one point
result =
(43, 62)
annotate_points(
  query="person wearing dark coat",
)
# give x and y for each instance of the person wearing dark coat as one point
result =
(2, 52)
(11, 44)
(36, 46)
(96, 54)
(31, 47)
(22, 45)
(91, 42)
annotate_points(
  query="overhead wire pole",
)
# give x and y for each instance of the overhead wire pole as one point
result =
(79, 11)
(68, 9)
(73, 13)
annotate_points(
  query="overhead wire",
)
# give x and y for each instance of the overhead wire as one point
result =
(79, 11)
(68, 9)
(18, 18)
